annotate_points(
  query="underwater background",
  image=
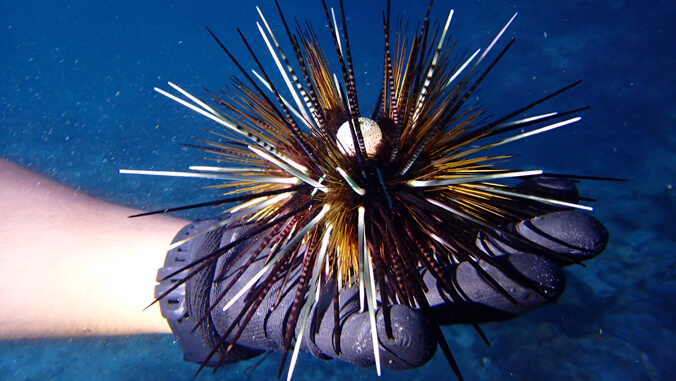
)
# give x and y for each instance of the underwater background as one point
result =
(77, 104)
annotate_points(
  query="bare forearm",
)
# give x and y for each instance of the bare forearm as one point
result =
(71, 265)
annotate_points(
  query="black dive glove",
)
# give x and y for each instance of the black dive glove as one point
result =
(573, 235)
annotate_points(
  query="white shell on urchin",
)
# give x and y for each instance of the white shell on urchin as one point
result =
(370, 131)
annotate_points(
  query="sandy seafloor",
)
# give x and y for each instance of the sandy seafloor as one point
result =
(76, 104)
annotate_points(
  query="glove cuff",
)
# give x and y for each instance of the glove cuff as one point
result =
(186, 304)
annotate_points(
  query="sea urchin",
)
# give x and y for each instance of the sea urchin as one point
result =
(345, 199)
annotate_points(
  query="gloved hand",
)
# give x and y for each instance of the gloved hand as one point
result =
(572, 235)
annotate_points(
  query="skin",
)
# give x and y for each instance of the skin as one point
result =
(72, 265)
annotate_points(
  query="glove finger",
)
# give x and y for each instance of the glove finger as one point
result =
(558, 188)
(477, 301)
(412, 343)
(573, 235)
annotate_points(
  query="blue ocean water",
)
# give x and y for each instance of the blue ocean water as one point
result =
(77, 104)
